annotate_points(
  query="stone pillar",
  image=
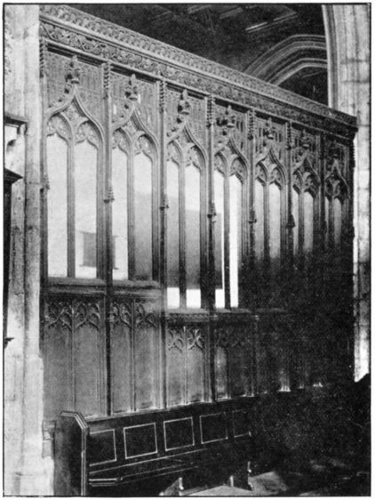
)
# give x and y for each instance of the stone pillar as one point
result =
(348, 49)
(26, 472)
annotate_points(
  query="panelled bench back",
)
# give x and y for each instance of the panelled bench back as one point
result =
(143, 453)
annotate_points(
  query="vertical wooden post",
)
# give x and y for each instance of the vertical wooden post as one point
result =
(290, 219)
(108, 199)
(163, 236)
(252, 213)
(211, 242)
(44, 192)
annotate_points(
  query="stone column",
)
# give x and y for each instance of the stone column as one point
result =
(348, 50)
(26, 472)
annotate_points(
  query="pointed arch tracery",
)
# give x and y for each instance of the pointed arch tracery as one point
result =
(230, 183)
(76, 181)
(134, 179)
(186, 188)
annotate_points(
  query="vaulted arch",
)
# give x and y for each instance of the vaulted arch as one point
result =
(288, 57)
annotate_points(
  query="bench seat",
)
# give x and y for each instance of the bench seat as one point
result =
(145, 452)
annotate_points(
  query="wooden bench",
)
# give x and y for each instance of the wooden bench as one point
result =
(154, 452)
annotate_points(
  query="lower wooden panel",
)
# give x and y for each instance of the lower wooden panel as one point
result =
(135, 355)
(88, 359)
(178, 433)
(187, 363)
(57, 358)
(147, 367)
(74, 346)
(233, 358)
(121, 359)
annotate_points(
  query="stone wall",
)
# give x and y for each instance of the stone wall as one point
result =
(26, 472)
(348, 50)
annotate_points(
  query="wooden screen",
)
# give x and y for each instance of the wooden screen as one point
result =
(197, 226)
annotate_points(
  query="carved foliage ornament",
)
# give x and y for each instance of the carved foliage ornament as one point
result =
(270, 143)
(238, 168)
(194, 157)
(303, 148)
(176, 339)
(336, 186)
(129, 100)
(242, 88)
(225, 127)
(60, 314)
(195, 339)
(174, 153)
(305, 154)
(87, 313)
(184, 110)
(144, 317)
(87, 132)
(73, 315)
(122, 313)
(134, 314)
(72, 109)
(143, 145)
(310, 184)
(119, 140)
(72, 75)
(56, 125)
(276, 177)
(185, 337)
(219, 164)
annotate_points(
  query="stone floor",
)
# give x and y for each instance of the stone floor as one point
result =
(327, 478)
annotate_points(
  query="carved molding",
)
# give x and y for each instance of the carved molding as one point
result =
(178, 318)
(43, 65)
(104, 39)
